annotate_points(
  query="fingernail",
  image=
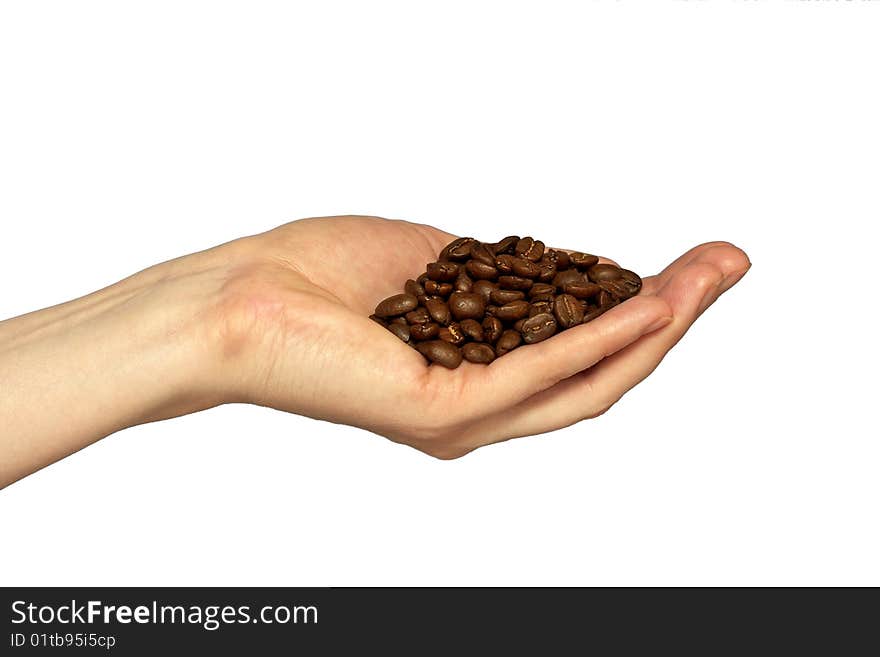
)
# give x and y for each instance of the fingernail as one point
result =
(659, 323)
(730, 280)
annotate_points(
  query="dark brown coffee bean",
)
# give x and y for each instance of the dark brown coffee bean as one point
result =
(563, 260)
(544, 297)
(568, 311)
(537, 328)
(400, 330)
(481, 271)
(585, 305)
(478, 353)
(458, 249)
(439, 311)
(508, 341)
(481, 253)
(581, 289)
(467, 305)
(441, 352)
(616, 287)
(504, 263)
(538, 307)
(507, 245)
(399, 304)
(379, 320)
(563, 278)
(492, 329)
(463, 283)
(530, 249)
(433, 288)
(514, 283)
(512, 311)
(484, 289)
(525, 268)
(473, 329)
(595, 312)
(582, 260)
(606, 298)
(632, 282)
(414, 288)
(427, 331)
(546, 272)
(418, 316)
(398, 320)
(603, 272)
(452, 334)
(443, 272)
(518, 324)
(541, 288)
(506, 296)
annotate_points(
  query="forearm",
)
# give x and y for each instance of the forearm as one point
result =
(74, 373)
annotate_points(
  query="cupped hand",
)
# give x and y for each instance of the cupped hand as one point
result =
(296, 334)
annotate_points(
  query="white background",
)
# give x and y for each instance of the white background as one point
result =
(131, 133)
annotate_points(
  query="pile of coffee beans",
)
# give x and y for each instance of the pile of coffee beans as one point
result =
(479, 300)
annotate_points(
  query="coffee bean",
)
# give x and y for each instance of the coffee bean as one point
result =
(463, 283)
(441, 352)
(467, 305)
(481, 253)
(484, 289)
(492, 329)
(398, 320)
(472, 329)
(544, 297)
(399, 304)
(538, 307)
(581, 289)
(525, 268)
(512, 311)
(616, 287)
(631, 281)
(606, 298)
(478, 353)
(508, 341)
(504, 263)
(418, 316)
(400, 330)
(537, 328)
(541, 288)
(438, 289)
(568, 311)
(566, 277)
(443, 272)
(563, 260)
(507, 245)
(379, 320)
(506, 296)
(582, 260)
(452, 334)
(480, 270)
(546, 272)
(603, 272)
(458, 249)
(530, 249)
(518, 324)
(414, 288)
(439, 311)
(514, 282)
(427, 331)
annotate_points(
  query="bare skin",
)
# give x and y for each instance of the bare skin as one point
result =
(280, 319)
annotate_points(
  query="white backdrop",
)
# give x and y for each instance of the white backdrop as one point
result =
(131, 133)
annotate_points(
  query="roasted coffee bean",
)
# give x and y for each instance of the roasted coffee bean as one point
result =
(463, 283)
(467, 305)
(616, 288)
(379, 320)
(427, 331)
(414, 288)
(581, 289)
(603, 272)
(481, 271)
(582, 260)
(530, 249)
(481, 253)
(478, 353)
(506, 296)
(458, 249)
(525, 268)
(441, 352)
(398, 320)
(400, 330)
(399, 304)
(514, 282)
(537, 328)
(632, 282)
(421, 280)
(512, 311)
(443, 272)
(504, 263)
(544, 297)
(418, 316)
(538, 307)
(567, 277)
(518, 324)
(568, 311)
(606, 298)
(439, 311)
(484, 289)
(507, 245)
(492, 328)
(436, 289)
(541, 288)
(473, 329)
(546, 272)
(508, 341)
(563, 260)
(452, 334)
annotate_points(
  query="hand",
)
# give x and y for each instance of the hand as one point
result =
(306, 345)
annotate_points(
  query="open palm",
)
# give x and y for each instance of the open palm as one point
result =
(301, 307)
